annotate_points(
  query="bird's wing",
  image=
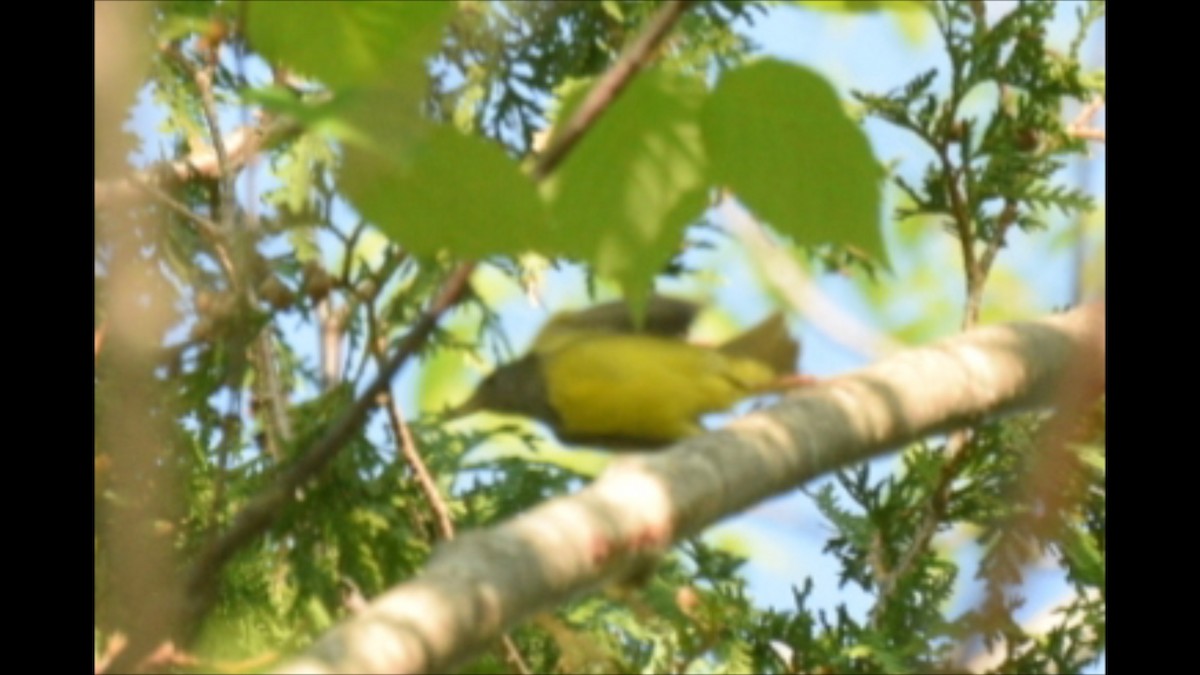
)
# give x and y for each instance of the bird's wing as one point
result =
(643, 388)
(665, 317)
(769, 343)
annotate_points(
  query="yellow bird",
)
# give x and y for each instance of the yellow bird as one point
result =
(595, 377)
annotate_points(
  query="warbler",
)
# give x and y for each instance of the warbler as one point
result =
(597, 377)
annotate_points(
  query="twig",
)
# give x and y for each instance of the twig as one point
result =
(279, 426)
(240, 146)
(610, 86)
(391, 263)
(116, 643)
(329, 319)
(208, 104)
(350, 243)
(1079, 127)
(167, 655)
(1008, 216)
(966, 238)
(513, 656)
(978, 267)
(1089, 134)
(408, 448)
(207, 228)
(957, 449)
(200, 164)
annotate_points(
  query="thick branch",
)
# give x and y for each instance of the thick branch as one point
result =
(486, 581)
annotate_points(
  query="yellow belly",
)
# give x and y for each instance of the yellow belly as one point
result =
(643, 387)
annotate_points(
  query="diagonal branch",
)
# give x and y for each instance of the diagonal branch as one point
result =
(486, 581)
(610, 86)
(258, 515)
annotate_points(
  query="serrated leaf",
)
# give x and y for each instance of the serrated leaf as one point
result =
(624, 196)
(430, 188)
(777, 135)
(347, 43)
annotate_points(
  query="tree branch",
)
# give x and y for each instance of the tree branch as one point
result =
(408, 448)
(201, 163)
(1079, 127)
(486, 581)
(610, 86)
(210, 231)
(208, 104)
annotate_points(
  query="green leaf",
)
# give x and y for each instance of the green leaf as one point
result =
(915, 27)
(347, 43)
(282, 100)
(179, 26)
(624, 196)
(863, 6)
(613, 9)
(777, 135)
(430, 188)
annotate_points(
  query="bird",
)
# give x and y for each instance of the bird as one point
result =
(599, 377)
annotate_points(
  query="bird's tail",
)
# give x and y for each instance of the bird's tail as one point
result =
(768, 343)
